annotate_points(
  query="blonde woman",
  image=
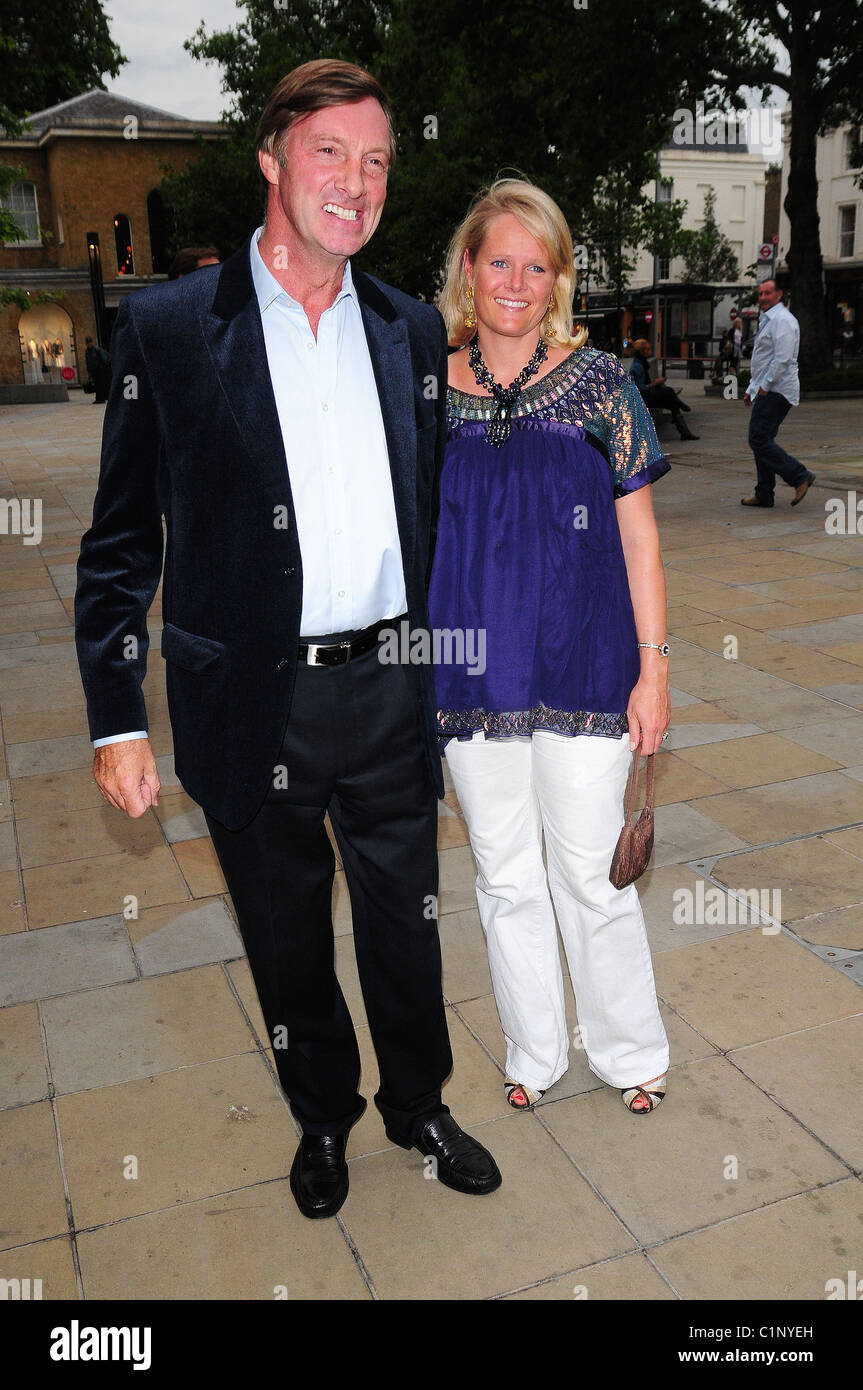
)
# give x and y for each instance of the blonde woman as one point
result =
(547, 544)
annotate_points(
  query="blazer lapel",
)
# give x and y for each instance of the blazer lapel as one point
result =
(389, 348)
(234, 336)
(235, 340)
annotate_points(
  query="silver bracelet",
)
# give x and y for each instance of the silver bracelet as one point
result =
(661, 647)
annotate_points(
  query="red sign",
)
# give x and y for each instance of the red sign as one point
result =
(648, 317)
(68, 373)
(732, 312)
(775, 238)
(765, 251)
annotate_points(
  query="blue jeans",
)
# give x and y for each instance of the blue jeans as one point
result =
(768, 412)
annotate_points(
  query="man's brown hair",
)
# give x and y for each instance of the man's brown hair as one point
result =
(311, 87)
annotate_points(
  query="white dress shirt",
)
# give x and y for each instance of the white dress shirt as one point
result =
(774, 355)
(338, 465)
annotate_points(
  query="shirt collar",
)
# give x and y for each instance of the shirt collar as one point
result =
(268, 289)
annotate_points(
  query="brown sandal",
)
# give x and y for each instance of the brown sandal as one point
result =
(521, 1097)
(652, 1092)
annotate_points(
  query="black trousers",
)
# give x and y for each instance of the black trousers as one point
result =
(352, 747)
(664, 398)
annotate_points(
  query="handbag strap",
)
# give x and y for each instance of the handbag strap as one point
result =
(633, 783)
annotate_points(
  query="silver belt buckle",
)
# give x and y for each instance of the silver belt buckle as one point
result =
(315, 647)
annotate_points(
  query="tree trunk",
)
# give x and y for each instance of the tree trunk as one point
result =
(801, 203)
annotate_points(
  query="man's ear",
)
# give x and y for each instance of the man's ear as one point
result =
(269, 166)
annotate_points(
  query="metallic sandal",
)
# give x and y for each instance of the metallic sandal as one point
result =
(521, 1097)
(652, 1091)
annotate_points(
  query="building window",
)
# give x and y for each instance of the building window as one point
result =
(20, 201)
(664, 190)
(123, 243)
(160, 224)
(847, 228)
(664, 268)
(849, 138)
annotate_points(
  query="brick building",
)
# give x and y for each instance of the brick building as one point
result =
(90, 209)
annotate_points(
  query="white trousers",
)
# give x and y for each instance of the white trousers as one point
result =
(511, 791)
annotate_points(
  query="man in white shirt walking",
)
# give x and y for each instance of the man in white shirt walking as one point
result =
(774, 387)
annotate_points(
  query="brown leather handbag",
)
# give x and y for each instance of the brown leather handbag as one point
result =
(635, 842)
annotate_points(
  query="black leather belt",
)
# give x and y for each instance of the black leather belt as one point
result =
(340, 653)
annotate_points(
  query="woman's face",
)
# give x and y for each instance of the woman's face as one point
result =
(512, 279)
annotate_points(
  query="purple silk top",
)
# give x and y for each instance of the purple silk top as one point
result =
(529, 599)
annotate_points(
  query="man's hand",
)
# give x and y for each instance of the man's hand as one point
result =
(747, 399)
(126, 775)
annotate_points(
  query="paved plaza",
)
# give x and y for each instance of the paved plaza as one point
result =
(144, 1142)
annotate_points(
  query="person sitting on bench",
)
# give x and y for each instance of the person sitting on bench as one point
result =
(656, 395)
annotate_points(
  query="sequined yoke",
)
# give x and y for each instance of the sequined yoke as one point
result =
(529, 592)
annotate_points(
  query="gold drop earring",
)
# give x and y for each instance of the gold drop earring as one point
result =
(547, 329)
(470, 316)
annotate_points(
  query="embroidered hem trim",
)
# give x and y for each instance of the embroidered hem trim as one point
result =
(464, 723)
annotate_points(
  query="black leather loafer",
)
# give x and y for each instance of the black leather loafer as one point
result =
(319, 1174)
(460, 1161)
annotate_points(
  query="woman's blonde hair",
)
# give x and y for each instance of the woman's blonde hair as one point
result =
(539, 215)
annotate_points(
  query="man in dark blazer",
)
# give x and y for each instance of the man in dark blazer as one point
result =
(285, 415)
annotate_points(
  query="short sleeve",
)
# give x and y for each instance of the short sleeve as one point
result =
(634, 451)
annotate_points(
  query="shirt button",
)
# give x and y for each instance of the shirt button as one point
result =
(310, 346)
(324, 406)
(332, 470)
(338, 530)
(341, 593)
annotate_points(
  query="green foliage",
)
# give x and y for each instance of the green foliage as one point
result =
(52, 50)
(528, 89)
(620, 220)
(834, 379)
(10, 230)
(709, 255)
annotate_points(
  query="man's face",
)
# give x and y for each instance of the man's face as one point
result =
(326, 200)
(768, 294)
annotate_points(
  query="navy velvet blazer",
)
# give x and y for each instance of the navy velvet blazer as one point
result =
(192, 434)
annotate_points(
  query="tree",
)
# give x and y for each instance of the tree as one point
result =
(824, 82)
(514, 97)
(707, 251)
(621, 220)
(53, 50)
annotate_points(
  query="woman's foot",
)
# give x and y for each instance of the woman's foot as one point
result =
(642, 1099)
(521, 1097)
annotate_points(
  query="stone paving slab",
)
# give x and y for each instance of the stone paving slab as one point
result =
(130, 1026)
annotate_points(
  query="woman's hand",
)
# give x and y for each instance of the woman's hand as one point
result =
(649, 708)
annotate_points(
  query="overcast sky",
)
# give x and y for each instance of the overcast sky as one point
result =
(161, 73)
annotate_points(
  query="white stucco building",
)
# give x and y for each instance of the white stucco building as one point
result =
(840, 212)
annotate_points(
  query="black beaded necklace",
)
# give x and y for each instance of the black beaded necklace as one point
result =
(499, 427)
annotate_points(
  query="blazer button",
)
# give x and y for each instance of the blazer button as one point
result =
(292, 569)
(281, 664)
